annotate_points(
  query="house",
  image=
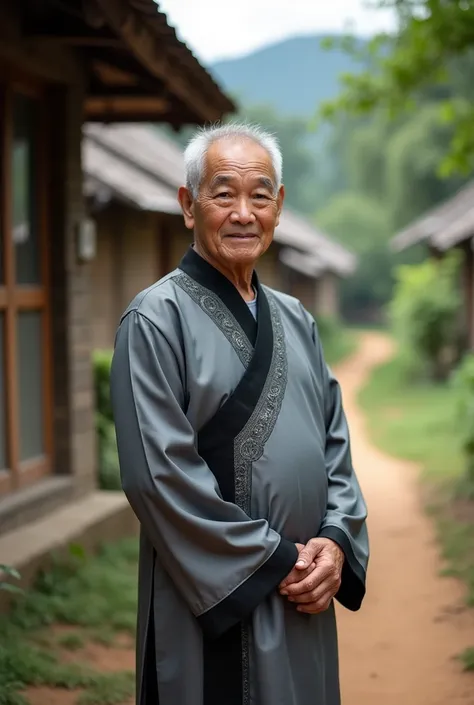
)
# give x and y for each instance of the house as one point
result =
(448, 226)
(132, 176)
(313, 264)
(63, 63)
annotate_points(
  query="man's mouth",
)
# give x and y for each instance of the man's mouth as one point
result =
(242, 236)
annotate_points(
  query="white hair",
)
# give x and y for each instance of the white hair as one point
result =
(196, 150)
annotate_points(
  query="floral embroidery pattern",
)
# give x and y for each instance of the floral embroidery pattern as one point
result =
(250, 443)
(220, 314)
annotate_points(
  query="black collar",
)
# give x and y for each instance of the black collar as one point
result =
(208, 276)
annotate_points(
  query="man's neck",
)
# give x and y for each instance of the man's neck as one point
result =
(241, 278)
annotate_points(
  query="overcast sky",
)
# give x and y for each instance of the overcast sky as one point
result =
(216, 29)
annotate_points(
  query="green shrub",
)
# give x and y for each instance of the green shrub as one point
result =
(425, 313)
(463, 380)
(9, 572)
(109, 475)
(338, 342)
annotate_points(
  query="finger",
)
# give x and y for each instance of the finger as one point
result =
(322, 593)
(312, 581)
(295, 576)
(309, 553)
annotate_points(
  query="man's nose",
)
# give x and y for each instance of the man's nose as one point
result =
(243, 213)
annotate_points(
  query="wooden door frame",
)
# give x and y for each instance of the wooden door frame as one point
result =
(15, 298)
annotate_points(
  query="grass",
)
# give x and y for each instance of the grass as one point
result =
(417, 422)
(95, 595)
(109, 689)
(413, 421)
(72, 642)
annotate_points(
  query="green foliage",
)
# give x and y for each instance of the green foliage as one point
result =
(109, 689)
(467, 659)
(23, 664)
(338, 341)
(72, 641)
(102, 360)
(424, 311)
(430, 58)
(63, 593)
(414, 152)
(360, 223)
(9, 572)
(92, 593)
(463, 381)
(109, 474)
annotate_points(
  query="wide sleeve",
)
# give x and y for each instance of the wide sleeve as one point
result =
(222, 562)
(346, 513)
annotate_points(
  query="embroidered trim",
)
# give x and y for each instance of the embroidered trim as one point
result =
(249, 446)
(250, 443)
(220, 314)
(245, 638)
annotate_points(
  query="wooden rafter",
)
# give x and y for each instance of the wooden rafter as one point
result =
(117, 108)
(142, 41)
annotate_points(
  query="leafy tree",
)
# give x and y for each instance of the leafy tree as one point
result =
(360, 223)
(413, 154)
(431, 57)
(425, 312)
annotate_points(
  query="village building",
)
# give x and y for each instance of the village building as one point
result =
(448, 226)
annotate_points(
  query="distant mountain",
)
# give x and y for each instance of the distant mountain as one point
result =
(293, 76)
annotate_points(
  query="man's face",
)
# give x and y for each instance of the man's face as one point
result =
(237, 209)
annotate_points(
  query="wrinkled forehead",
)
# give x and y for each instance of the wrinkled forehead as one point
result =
(232, 158)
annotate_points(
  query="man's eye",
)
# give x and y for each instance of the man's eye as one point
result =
(223, 194)
(261, 196)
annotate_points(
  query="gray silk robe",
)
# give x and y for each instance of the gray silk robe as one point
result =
(233, 446)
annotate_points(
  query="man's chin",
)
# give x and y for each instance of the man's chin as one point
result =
(243, 251)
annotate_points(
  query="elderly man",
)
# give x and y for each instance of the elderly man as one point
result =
(235, 457)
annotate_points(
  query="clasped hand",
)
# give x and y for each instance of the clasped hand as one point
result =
(316, 577)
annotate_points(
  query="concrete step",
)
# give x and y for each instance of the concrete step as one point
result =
(94, 519)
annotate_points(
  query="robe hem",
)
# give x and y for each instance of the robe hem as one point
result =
(352, 590)
(244, 599)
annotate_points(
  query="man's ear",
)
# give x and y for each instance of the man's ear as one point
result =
(187, 206)
(280, 199)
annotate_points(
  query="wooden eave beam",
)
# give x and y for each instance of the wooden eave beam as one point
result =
(144, 44)
(119, 104)
(170, 117)
(122, 62)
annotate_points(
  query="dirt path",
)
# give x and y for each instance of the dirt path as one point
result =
(399, 649)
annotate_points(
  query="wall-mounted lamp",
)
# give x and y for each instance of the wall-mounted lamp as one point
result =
(86, 240)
